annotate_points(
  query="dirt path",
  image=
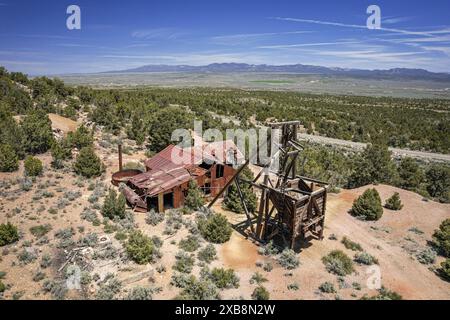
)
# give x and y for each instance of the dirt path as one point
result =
(360, 146)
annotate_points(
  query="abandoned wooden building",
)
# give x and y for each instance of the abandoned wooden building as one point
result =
(165, 183)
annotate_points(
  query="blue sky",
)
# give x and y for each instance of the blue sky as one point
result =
(123, 34)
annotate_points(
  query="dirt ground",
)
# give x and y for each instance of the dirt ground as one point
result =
(392, 240)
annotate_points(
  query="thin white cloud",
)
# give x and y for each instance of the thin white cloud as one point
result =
(236, 39)
(157, 33)
(356, 26)
(316, 44)
(395, 19)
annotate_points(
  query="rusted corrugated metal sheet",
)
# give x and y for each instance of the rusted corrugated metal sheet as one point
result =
(161, 180)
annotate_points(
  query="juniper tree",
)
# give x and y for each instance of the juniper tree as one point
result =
(394, 202)
(368, 205)
(9, 161)
(88, 164)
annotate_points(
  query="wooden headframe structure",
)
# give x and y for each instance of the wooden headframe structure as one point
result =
(291, 206)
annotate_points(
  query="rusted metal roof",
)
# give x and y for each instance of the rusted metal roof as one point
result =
(161, 180)
(174, 166)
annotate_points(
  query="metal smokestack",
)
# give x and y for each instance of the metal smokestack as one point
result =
(120, 157)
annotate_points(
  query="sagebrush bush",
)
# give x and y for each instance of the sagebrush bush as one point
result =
(223, 278)
(215, 229)
(426, 256)
(394, 202)
(260, 293)
(327, 287)
(184, 262)
(338, 262)
(41, 230)
(8, 234)
(207, 254)
(288, 259)
(349, 244)
(140, 293)
(269, 249)
(140, 248)
(258, 278)
(109, 289)
(368, 206)
(365, 258)
(33, 166)
(198, 290)
(190, 244)
(154, 218)
(384, 294)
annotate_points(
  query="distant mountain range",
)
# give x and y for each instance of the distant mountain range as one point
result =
(397, 73)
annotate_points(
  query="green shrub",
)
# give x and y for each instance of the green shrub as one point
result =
(441, 238)
(349, 244)
(80, 138)
(445, 269)
(2, 287)
(190, 244)
(288, 259)
(198, 290)
(232, 201)
(207, 254)
(426, 256)
(9, 161)
(260, 293)
(438, 182)
(140, 293)
(114, 206)
(184, 262)
(327, 287)
(88, 164)
(258, 278)
(269, 249)
(140, 248)
(194, 198)
(60, 151)
(109, 289)
(33, 166)
(338, 262)
(224, 278)
(215, 229)
(37, 128)
(41, 230)
(394, 202)
(8, 234)
(365, 258)
(368, 206)
(384, 294)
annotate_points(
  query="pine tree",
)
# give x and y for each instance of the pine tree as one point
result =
(394, 202)
(194, 197)
(368, 205)
(9, 161)
(88, 164)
